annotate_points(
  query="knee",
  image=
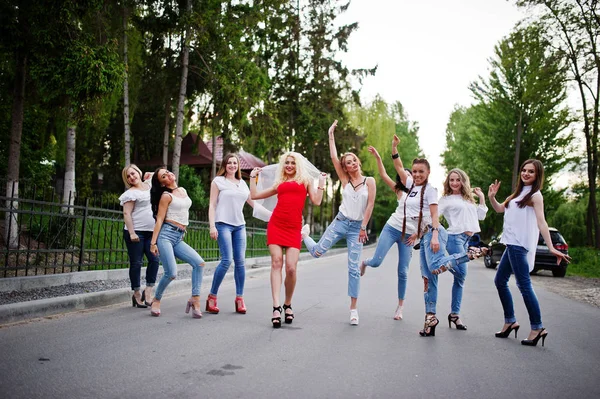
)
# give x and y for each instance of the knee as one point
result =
(225, 263)
(290, 271)
(277, 263)
(425, 284)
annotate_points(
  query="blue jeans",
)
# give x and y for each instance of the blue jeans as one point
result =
(514, 260)
(341, 227)
(232, 244)
(170, 245)
(387, 238)
(136, 251)
(431, 261)
(458, 244)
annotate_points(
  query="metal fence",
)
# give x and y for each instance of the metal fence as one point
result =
(49, 237)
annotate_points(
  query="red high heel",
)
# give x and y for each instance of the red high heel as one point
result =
(240, 306)
(211, 304)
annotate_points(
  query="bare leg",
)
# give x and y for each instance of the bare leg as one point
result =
(276, 269)
(291, 262)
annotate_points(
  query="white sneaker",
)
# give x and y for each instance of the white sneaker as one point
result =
(305, 232)
(354, 317)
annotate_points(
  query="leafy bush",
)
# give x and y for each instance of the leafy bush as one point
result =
(585, 262)
(192, 183)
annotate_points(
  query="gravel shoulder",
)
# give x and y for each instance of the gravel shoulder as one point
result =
(581, 289)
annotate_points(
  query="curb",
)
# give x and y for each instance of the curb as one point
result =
(43, 308)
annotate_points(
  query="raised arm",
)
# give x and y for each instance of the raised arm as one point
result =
(381, 168)
(316, 194)
(212, 208)
(481, 208)
(254, 193)
(538, 206)
(397, 161)
(492, 191)
(334, 155)
(372, 190)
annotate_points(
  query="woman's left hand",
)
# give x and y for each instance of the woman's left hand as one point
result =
(560, 256)
(411, 240)
(435, 245)
(363, 237)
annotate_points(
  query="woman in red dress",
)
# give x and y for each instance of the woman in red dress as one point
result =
(291, 186)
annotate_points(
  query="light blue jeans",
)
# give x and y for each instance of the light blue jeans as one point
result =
(387, 238)
(458, 244)
(170, 245)
(514, 260)
(341, 227)
(232, 245)
(431, 261)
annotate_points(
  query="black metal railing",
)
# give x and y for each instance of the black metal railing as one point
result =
(48, 237)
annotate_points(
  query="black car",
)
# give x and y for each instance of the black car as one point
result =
(544, 260)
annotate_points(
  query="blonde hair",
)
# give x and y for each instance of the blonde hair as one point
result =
(465, 187)
(301, 176)
(124, 174)
(343, 158)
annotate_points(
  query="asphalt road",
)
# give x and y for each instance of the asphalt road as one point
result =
(122, 352)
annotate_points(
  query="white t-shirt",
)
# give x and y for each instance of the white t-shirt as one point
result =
(462, 215)
(142, 210)
(231, 201)
(413, 199)
(520, 226)
(396, 220)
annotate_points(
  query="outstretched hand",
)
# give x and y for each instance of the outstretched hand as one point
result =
(493, 189)
(332, 128)
(373, 151)
(395, 141)
(560, 256)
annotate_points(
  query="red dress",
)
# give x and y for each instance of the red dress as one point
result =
(286, 221)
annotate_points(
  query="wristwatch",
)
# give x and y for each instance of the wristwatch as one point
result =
(363, 227)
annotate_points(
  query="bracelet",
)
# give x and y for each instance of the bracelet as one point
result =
(252, 177)
(153, 243)
(321, 188)
(395, 156)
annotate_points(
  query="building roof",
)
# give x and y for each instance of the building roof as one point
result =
(247, 160)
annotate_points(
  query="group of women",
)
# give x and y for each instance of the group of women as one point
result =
(156, 213)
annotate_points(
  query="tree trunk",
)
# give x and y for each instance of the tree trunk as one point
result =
(516, 165)
(182, 91)
(69, 183)
(126, 93)
(11, 234)
(213, 171)
(167, 131)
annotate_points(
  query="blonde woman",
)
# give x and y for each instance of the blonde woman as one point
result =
(458, 206)
(139, 223)
(358, 199)
(291, 186)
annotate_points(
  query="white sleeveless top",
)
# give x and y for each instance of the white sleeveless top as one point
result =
(231, 201)
(179, 208)
(354, 203)
(520, 226)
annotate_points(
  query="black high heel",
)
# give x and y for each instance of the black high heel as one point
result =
(135, 303)
(454, 319)
(148, 304)
(429, 326)
(533, 342)
(506, 333)
(289, 317)
(277, 320)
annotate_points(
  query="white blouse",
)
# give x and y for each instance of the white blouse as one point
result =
(230, 202)
(520, 226)
(462, 215)
(142, 210)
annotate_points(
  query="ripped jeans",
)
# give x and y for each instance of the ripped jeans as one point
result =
(170, 245)
(341, 227)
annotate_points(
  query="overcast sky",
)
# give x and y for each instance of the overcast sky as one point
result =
(427, 52)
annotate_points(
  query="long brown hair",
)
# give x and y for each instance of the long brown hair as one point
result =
(426, 163)
(536, 186)
(223, 168)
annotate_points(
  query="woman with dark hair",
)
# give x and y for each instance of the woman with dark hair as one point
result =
(458, 207)
(228, 193)
(523, 222)
(292, 184)
(139, 223)
(358, 199)
(170, 207)
(392, 234)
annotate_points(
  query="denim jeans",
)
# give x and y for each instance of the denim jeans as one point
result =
(431, 261)
(387, 238)
(458, 244)
(341, 227)
(514, 260)
(232, 245)
(170, 245)
(136, 251)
